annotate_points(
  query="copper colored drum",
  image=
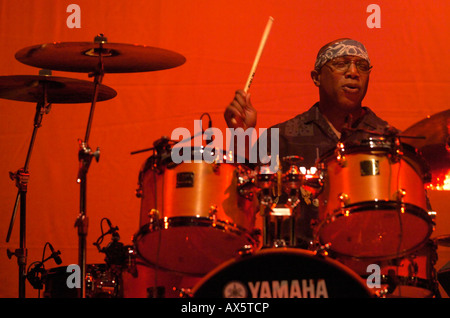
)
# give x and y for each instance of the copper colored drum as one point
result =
(373, 203)
(282, 273)
(193, 216)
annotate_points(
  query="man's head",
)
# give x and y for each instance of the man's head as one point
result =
(341, 72)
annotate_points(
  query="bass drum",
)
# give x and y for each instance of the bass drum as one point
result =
(194, 215)
(282, 273)
(373, 203)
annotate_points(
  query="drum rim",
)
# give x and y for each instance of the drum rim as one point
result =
(378, 205)
(167, 162)
(384, 205)
(191, 221)
(283, 251)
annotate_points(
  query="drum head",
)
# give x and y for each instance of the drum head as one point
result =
(193, 246)
(282, 273)
(376, 230)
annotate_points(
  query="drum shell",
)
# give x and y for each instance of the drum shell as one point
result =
(193, 216)
(213, 190)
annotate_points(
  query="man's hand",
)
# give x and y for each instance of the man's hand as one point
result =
(240, 112)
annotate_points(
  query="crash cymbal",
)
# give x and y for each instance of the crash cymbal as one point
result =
(60, 90)
(83, 57)
(435, 147)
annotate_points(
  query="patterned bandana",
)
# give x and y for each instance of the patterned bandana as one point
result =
(341, 48)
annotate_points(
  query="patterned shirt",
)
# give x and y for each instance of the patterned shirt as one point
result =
(311, 136)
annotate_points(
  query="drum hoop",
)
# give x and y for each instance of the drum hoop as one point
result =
(189, 221)
(384, 205)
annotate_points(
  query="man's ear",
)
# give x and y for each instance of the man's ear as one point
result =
(315, 75)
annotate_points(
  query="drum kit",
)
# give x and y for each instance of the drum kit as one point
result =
(223, 229)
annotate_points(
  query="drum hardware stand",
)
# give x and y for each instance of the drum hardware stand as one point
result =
(21, 177)
(85, 156)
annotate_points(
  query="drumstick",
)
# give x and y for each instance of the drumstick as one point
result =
(265, 35)
(258, 54)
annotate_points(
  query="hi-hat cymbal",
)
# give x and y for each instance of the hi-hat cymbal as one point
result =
(83, 57)
(435, 147)
(60, 90)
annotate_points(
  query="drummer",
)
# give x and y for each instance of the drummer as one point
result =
(341, 73)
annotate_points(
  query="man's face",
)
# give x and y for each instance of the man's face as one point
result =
(343, 82)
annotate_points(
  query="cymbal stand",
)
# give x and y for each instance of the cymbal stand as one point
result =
(21, 177)
(85, 155)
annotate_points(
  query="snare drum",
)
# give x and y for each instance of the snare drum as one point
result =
(194, 215)
(282, 273)
(373, 203)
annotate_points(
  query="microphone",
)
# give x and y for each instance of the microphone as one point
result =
(55, 255)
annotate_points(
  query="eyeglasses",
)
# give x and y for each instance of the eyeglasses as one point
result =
(342, 65)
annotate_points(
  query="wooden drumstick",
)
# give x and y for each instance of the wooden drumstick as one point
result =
(265, 35)
(258, 54)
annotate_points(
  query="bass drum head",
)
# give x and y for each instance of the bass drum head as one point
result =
(282, 273)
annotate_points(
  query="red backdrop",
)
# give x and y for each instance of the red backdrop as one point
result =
(407, 41)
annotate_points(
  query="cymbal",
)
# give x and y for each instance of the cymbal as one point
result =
(435, 148)
(83, 57)
(60, 90)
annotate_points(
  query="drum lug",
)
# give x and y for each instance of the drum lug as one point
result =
(153, 216)
(401, 193)
(322, 250)
(185, 293)
(397, 152)
(344, 200)
(340, 155)
(213, 212)
(246, 250)
(139, 192)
